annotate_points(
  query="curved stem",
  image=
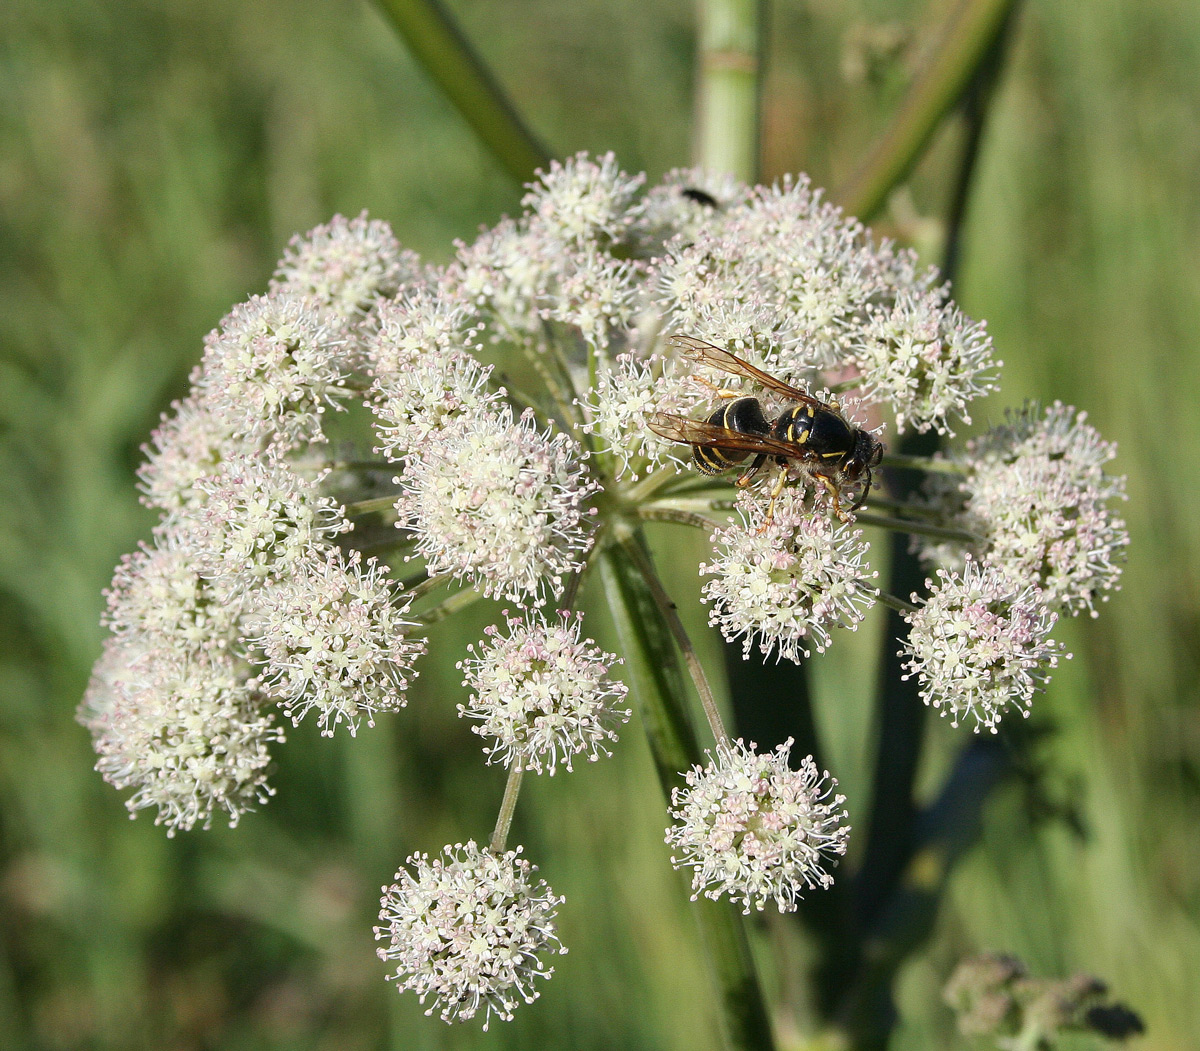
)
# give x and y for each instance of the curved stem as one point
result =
(438, 44)
(954, 58)
(660, 513)
(670, 614)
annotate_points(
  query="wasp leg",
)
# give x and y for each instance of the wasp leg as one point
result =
(832, 490)
(776, 489)
(720, 392)
(744, 478)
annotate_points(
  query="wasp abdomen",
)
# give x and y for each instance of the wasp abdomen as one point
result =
(744, 415)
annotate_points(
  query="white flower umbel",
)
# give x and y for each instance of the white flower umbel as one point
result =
(500, 503)
(332, 637)
(188, 445)
(416, 402)
(626, 392)
(186, 734)
(980, 644)
(583, 200)
(159, 593)
(468, 929)
(753, 829)
(263, 521)
(925, 358)
(1036, 493)
(347, 266)
(430, 322)
(273, 367)
(542, 693)
(788, 582)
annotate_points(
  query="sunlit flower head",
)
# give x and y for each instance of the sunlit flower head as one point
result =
(186, 733)
(500, 503)
(1036, 493)
(262, 520)
(273, 367)
(786, 583)
(468, 929)
(428, 323)
(346, 266)
(980, 645)
(542, 694)
(582, 200)
(332, 637)
(753, 829)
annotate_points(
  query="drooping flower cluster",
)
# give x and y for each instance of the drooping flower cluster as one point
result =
(469, 929)
(752, 828)
(505, 479)
(542, 693)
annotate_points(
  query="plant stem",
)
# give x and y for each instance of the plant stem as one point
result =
(438, 44)
(449, 606)
(670, 614)
(508, 805)
(662, 513)
(954, 58)
(903, 462)
(659, 691)
(904, 525)
(728, 87)
(376, 503)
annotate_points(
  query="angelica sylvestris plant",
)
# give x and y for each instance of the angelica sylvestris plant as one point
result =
(256, 603)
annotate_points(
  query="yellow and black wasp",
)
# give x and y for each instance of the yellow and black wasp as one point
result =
(811, 433)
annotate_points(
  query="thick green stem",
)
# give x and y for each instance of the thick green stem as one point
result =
(953, 62)
(508, 805)
(904, 525)
(728, 87)
(659, 691)
(438, 44)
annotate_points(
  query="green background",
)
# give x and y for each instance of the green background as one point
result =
(154, 159)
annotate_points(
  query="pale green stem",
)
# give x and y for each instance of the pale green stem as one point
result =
(508, 805)
(439, 46)
(904, 525)
(923, 463)
(448, 607)
(670, 614)
(660, 513)
(728, 87)
(885, 598)
(366, 507)
(953, 59)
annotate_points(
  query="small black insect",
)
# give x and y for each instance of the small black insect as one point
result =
(812, 433)
(694, 193)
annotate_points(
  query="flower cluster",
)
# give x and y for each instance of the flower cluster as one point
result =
(468, 928)
(756, 830)
(542, 693)
(979, 644)
(639, 313)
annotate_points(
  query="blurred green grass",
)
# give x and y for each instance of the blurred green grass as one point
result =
(154, 158)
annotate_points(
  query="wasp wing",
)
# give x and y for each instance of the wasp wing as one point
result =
(701, 432)
(715, 357)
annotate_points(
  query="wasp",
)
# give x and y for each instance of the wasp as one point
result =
(811, 432)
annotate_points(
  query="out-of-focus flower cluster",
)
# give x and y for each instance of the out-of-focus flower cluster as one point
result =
(510, 394)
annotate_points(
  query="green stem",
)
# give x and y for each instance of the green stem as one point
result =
(508, 805)
(904, 525)
(661, 513)
(954, 58)
(640, 557)
(438, 44)
(659, 691)
(728, 88)
(928, 464)
(885, 598)
(366, 507)
(448, 607)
